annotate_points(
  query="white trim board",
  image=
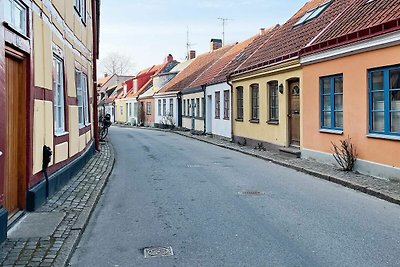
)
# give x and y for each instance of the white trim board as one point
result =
(383, 41)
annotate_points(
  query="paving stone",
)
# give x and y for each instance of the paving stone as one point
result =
(71, 199)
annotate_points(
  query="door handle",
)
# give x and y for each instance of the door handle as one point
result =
(1, 153)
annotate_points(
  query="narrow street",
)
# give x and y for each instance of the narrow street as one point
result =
(169, 190)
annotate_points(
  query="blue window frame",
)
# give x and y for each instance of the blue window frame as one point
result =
(384, 100)
(331, 92)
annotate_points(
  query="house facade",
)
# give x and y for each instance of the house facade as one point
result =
(352, 89)
(47, 65)
(267, 85)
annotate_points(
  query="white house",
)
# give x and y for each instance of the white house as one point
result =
(218, 110)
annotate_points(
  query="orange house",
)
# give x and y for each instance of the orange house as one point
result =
(351, 88)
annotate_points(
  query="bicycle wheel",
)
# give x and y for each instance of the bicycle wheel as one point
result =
(103, 133)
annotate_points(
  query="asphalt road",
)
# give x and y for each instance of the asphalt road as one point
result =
(169, 190)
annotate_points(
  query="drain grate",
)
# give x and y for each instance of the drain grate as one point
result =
(251, 193)
(153, 252)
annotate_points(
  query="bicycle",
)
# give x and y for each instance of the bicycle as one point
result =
(105, 124)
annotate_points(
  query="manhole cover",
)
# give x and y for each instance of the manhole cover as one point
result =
(251, 193)
(153, 252)
(194, 166)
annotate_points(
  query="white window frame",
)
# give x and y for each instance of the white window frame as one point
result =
(82, 98)
(80, 7)
(9, 15)
(59, 99)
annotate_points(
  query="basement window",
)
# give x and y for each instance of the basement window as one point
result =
(312, 14)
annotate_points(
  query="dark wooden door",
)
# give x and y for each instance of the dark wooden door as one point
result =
(15, 156)
(294, 113)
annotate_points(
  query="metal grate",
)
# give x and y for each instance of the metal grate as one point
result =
(153, 252)
(251, 193)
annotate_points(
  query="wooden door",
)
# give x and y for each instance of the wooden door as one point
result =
(15, 156)
(294, 113)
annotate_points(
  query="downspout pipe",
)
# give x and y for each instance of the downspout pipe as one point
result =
(229, 82)
(95, 56)
(203, 87)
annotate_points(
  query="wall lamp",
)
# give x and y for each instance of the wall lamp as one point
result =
(281, 88)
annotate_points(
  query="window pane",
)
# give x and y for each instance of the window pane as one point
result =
(377, 81)
(395, 79)
(395, 100)
(327, 102)
(378, 123)
(327, 119)
(8, 11)
(395, 122)
(339, 119)
(326, 86)
(339, 85)
(339, 102)
(378, 101)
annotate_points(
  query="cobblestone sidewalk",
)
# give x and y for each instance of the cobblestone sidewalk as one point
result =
(76, 201)
(386, 189)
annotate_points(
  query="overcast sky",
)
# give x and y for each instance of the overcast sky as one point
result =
(148, 30)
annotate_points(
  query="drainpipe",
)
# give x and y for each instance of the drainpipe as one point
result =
(203, 87)
(231, 115)
(95, 23)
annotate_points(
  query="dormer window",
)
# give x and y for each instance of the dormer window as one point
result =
(312, 14)
(15, 15)
(80, 7)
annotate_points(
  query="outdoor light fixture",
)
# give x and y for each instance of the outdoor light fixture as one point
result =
(281, 88)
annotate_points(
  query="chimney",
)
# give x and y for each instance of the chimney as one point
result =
(215, 44)
(169, 58)
(262, 31)
(192, 54)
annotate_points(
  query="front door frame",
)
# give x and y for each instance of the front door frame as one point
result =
(289, 115)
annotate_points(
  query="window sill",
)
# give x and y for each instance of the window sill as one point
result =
(60, 134)
(384, 136)
(239, 119)
(16, 31)
(273, 122)
(331, 131)
(217, 118)
(226, 118)
(254, 121)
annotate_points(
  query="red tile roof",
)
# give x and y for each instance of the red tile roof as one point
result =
(214, 71)
(359, 21)
(289, 39)
(196, 68)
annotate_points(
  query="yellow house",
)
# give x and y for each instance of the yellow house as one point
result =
(47, 66)
(266, 96)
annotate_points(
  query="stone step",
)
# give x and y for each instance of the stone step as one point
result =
(291, 150)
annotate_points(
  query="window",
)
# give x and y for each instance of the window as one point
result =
(164, 107)
(312, 14)
(254, 102)
(171, 107)
(384, 101)
(82, 98)
(15, 15)
(148, 108)
(80, 7)
(197, 107)
(184, 107)
(159, 107)
(59, 102)
(273, 101)
(332, 102)
(217, 104)
(239, 102)
(226, 104)
(188, 108)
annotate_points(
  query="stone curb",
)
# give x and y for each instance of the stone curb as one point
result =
(83, 219)
(337, 180)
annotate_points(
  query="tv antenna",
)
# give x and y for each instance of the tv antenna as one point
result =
(188, 43)
(223, 20)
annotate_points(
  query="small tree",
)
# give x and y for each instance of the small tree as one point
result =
(345, 154)
(117, 63)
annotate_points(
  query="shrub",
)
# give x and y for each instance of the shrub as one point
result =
(345, 154)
